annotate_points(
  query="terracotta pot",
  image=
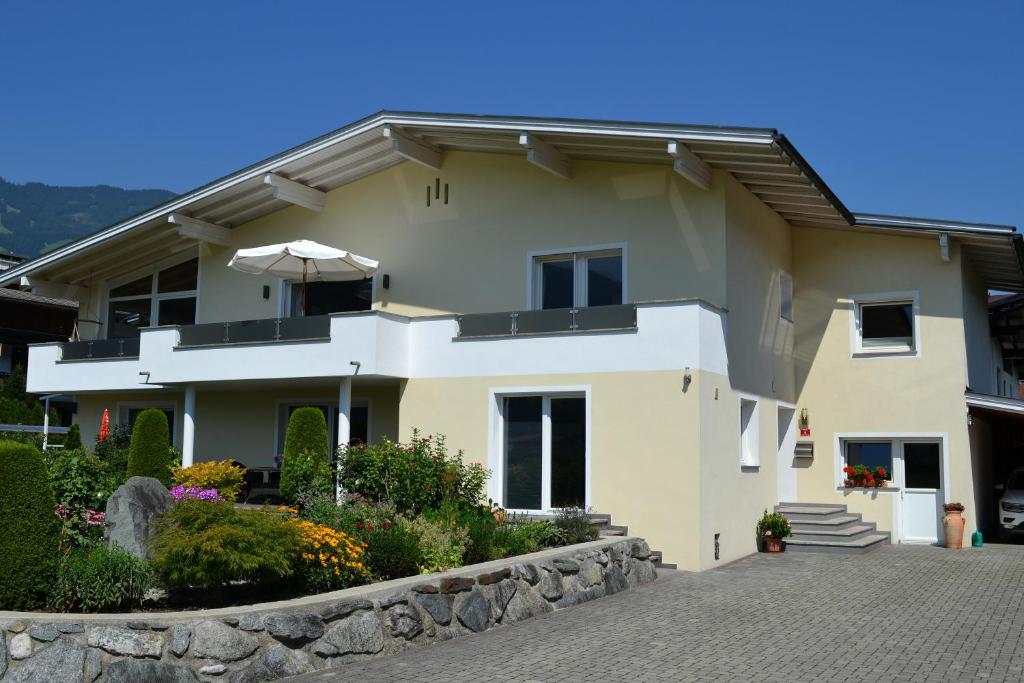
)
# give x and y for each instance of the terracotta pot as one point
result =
(772, 544)
(953, 525)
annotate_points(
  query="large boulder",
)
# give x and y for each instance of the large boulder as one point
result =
(131, 510)
(62, 661)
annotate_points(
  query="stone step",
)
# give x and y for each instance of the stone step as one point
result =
(802, 512)
(854, 547)
(847, 533)
(658, 561)
(840, 522)
(606, 533)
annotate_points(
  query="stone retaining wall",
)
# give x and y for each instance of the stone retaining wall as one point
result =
(273, 640)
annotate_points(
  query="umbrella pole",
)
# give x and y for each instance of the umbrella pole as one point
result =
(304, 262)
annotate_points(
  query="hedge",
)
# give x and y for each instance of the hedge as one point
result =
(29, 529)
(148, 454)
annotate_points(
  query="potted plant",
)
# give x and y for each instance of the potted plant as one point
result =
(953, 524)
(860, 476)
(773, 528)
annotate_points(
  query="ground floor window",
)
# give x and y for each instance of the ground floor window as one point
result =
(545, 451)
(129, 413)
(359, 421)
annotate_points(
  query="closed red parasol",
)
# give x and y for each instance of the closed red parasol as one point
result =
(105, 425)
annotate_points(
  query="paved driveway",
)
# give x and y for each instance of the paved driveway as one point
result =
(901, 613)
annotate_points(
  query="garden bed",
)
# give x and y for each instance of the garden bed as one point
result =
(277, 639)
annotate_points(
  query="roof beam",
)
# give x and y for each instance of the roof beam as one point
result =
(200, 230)
(689, 165)
(295, 193)
(543, 155)
(409, 149)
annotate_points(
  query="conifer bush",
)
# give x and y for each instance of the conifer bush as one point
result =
(29, 529)
(148, 454)
(305, 468)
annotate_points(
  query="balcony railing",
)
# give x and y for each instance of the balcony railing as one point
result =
(269, 330)
(550, 321)
(100, 348)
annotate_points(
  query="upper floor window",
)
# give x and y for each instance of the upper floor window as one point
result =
(886, 324)
(166, 297)
(330, 297)
(578, 278)
(785, 296)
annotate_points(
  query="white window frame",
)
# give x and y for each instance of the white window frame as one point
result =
(153, 297)
(122, 408)
(534, 277)
(750, 438)
(496, 440)
(857, 348)
(785, 296)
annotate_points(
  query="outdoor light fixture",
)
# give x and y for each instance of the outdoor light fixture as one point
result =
(687, 378)
(387, 281)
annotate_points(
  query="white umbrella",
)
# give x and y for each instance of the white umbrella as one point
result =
(306, 259)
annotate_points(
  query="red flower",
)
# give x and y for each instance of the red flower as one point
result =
(848, 470)
(386, 524)
(882, 472)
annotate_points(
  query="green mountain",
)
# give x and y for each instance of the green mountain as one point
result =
(35, 218)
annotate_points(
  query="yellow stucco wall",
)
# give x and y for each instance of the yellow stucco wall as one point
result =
(878, 395)
(644, 450)
(471, 255)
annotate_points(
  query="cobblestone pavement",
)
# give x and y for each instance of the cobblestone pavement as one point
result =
(901, 613)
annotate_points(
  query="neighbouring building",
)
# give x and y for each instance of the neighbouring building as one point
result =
(679, 326)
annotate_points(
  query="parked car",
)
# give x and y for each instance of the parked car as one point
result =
(1011, 506)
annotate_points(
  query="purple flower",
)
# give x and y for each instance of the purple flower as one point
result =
(181, 492)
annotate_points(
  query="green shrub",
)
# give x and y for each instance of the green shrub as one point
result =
(28, 528)
(522, 537)
(393, 550)
(148, 455)
(210, 544)
(81, 484)
(223, 476)
(100, 579)
(305, 468)
(16, 405)
(73, 439)
(773, 524)
(414, 477)
(576, 525)
(441, 545)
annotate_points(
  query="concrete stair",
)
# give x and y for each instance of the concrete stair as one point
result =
(606, 529)
(819, 527)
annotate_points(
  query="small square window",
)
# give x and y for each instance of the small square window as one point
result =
(578, 279)
(885, 326)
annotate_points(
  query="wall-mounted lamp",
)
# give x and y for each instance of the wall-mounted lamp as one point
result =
(145, 373)
(687, 378)
(387, 281)
(266, 291)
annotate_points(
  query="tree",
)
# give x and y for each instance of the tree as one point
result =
(149, 452)
(306, 464)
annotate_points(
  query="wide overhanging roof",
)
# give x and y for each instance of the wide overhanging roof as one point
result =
(763, 160)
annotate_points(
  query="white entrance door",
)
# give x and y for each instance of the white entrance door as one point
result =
(919, 475)
(787, 446)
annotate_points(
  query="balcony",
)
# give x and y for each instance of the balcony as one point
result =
(269, 331)
(550, 321)
(631, 338)
(100, 349)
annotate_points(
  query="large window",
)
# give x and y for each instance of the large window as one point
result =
(885, 325)
(331, 297)
(358, 418)
(545, 452)
(578, 279)
(166, 297)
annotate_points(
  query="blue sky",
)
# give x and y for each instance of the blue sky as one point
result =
(903, 107)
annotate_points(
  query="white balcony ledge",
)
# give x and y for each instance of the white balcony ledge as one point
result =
(669, 335)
